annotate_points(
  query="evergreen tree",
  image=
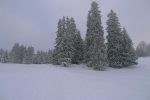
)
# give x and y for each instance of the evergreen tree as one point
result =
(114, 38)
(79, 48)
(6, 57)
(129, 56)
(95, 47)
(50, 56)
(37, 58)
(70, 36)
(15, 55)
(1, 55)
(41, 57)
(22, 52)
(59, 48)
(65, 40)
(148, 50)
(28, 58)
(141, 49)
(44, 56)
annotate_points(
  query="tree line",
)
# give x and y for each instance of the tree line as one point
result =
(94, 51)
(21, 54)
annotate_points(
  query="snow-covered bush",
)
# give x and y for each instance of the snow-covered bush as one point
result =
(66, 62)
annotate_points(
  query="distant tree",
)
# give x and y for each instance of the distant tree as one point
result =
(114, 41)
(95, 48)
(28, 57)
(1, 55)
(15, 55)
(50, 56)
(5, 57)
(22, 53)
(39, 57)
(148, 50)
(141, 49)
(35, 59)
(45, 57)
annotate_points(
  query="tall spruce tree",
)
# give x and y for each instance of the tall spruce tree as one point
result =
(79, 48)
(129, 56)
(65, 40)
(69, 37)
(114, 38)
(119, 47)
(58, 51)
(95, 47)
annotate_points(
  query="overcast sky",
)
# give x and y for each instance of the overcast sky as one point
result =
(33, 22)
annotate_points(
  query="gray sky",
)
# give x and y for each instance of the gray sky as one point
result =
(33, 22)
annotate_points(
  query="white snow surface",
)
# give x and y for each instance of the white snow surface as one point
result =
(49, 82)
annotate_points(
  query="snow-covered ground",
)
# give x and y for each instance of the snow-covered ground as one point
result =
(48, 82)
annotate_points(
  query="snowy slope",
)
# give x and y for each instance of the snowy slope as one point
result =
(48, 82)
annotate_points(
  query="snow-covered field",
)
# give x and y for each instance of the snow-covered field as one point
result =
(48, 82)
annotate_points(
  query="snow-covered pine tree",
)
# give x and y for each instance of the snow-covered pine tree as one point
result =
(60, 42)
(115, 39)
(95, 47)
(70, 38)
(15, 55)
(41, 57)
(1, 54)
(37, 58)
(6, 57)
(50, 56)
(28, 57)
(64, 48)
(45, 57)
(129, 56)
(22, 53)
(148, 50)
(79, 48)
